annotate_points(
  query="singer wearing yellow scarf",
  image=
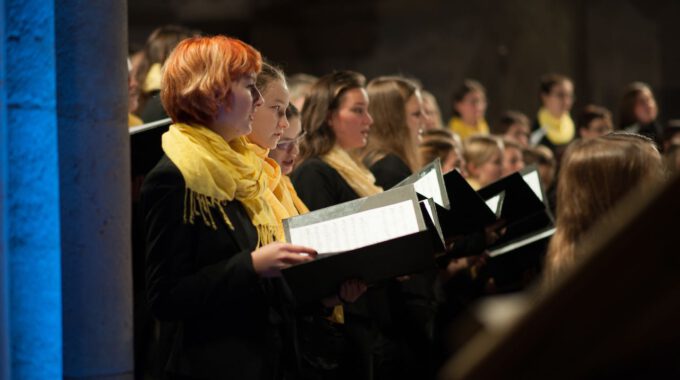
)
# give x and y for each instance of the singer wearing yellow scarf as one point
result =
(554, 126)
(212, 263)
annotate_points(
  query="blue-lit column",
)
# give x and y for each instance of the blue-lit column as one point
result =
(30, 202)
(91, 45)
(4, 278)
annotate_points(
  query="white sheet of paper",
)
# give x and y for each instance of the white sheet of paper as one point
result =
(358, 230)
(492, 203)
(428, 186)
(534, 181)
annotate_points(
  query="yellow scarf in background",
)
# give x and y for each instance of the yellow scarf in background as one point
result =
(290, 196)
(560, 130)
(134, 120)
(152, 82)
(217, 172)
(457, 125)
(358, 177)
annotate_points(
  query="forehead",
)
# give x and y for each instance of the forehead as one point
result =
(353, 96)
(276, 90)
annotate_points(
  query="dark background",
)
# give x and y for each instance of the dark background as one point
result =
(507, 45)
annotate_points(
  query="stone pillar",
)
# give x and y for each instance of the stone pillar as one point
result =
(91, 47)
(31, 280)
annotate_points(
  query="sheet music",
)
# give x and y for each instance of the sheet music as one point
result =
(358, 230)
(428, 186)
(492, 203)
(534, 181)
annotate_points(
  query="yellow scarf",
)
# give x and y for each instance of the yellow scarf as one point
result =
(152, 82)
(279, 195)
(134, 120)
(457, 125)
(217, 172)
(358, 177)
(560, 130)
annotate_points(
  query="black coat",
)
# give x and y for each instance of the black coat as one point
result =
(320, 186)
(389, 171)
(220, 319)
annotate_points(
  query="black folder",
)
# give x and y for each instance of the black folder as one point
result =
(460, 209)
(384, 259)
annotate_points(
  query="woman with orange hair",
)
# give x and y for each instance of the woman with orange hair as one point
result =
(213, 266)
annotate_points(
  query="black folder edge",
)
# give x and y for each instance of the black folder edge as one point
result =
(522, 242)
(468, 212)
(323, 276)
(437, 168)
(148, 126)
(517, 190)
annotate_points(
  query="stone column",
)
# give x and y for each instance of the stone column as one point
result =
(91, 50)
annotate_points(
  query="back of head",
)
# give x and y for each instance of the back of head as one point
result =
(510, 118)
(390, 132)
(437, 146)
(324, 98)
(595, 175)
(198, 74)
(479, 149)
(162, 40)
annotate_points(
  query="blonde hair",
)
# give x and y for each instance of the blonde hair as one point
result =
(595, 175)
(390, 133)
(480, 149)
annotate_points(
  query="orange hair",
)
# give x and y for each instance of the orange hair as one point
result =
(197, 76)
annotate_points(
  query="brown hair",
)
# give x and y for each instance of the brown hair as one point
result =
(324, 98)
(468, 86)
(548, 81)
(198, 74)
(594, 176)
(437, 146)
(390, 132)
(270, 73)
(510, 118)
(628, 100)
(592, 112)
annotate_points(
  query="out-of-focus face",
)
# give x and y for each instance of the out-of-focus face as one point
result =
(236, 116)
(488, 172)
(415, 118)
(518, 133)
(433, 117)
(560, 99)
(351, 122)
(472, 107)
(270, 120)
(596, 128)
(454, 160)
(513, 160)
(645, 107)
(288, 148)
(133, 94)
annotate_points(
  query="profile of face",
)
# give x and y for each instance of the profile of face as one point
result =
(235, 117)
(454, 160)
(596, 128)
(645, 107)
(432, 114)
(270, 120)
(351, 122)
(518, 133)
(288, 148)
(472, 107)
(488, 172)
(513, 161)
(415, 117)
(560, 99)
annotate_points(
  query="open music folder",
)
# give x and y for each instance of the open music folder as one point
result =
(373, 239)
(460, 209)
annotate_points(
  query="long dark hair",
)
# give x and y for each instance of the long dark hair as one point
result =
(324, 98)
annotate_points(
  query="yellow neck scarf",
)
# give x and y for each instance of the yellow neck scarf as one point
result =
(560, 130)
(457, 125)
(358, 177)
(282, 200)
(216, 172)
(152, 82)
(134, 120)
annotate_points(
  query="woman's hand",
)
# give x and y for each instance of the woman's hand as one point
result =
(350, 291)
(268, 261)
